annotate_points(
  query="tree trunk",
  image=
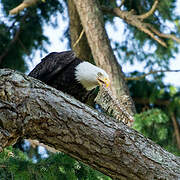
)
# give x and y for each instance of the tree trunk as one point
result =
(82, 48)
(31, 109)
(92, 21)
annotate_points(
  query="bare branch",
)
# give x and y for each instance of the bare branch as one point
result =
(122, 3)
(133, 20)
(79, 38)
(22, 6)
(137, 21)
(167, 36)
(150, 12)
(29, 108)
(149, 73)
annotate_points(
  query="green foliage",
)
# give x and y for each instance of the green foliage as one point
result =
(154, 103)
(153, 124)
(172, 90)
(22, 34)
(16, 165)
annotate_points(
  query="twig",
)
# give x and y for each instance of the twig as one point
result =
(79, 38)
(149, 73)
(176, 129)
(150, 12)
(122, 2)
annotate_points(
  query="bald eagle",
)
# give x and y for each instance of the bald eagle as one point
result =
(67, 73)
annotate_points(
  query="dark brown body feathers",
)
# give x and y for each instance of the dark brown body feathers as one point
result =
(58, 71)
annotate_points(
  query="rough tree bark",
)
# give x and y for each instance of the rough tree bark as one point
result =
(31, 109)
(93, 24)
(81, 48)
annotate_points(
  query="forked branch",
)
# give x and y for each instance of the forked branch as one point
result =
(137, 21)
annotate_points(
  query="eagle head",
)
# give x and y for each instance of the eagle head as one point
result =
(91, 76)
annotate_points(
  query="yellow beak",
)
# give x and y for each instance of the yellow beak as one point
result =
(103, 81)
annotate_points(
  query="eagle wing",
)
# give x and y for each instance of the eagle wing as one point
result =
(51, 65)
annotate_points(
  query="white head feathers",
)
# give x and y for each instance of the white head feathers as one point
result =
(87, 74)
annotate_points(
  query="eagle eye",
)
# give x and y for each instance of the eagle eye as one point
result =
(100, 74)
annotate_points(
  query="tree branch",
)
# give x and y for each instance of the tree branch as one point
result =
(176, 129)
(82, 48)
(137, 21)
(29, 108)
(14, 40)
(150, 12)
(79, 38)
(149, 73)
(132, 19)
(167, 36)
(122, 3)
(22, 6)
(146, 101)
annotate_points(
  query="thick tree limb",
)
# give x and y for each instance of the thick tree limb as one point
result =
(29, 108)
(79, 43)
